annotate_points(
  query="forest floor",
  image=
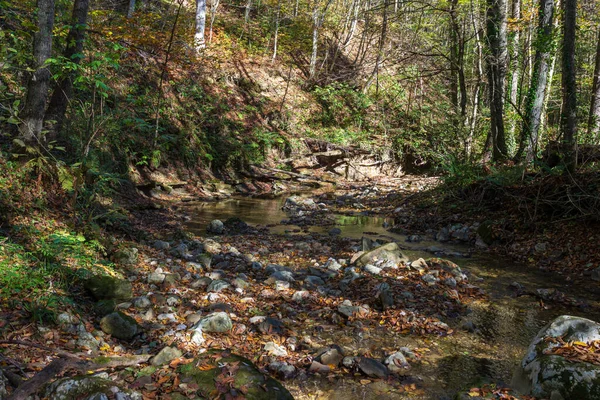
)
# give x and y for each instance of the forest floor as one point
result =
(298, 304)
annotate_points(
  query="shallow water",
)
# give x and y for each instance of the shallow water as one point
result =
(505, 324)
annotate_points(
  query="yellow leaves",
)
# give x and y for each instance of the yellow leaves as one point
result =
(578, 343)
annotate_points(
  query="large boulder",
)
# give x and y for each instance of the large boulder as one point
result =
(128, 256)
(552, 376)
(88, 388)
(247, 379)
(387, 252)
(120, 325)
(108, 288)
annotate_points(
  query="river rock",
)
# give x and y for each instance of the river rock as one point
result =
(236, 225)
(201, 282)
(216, 227)
(142, 302)
(161, 245)
(286, 276)
(443, 235)
(216, 322)
(330, 355)
(245, 374)
(372, 269)
(156, 278)
(217, 286)
(126, 256)
(120, 325)
(397, 363)
(109, 288)
(372, 368)
(89, 388)
(551, 376)
(275, 350)
(282, 369)
(300, 296)
(312, 281)
(387, 252)
(165, 356)
(429, 279)
(348, 310)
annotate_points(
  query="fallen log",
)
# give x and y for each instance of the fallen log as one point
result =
(294, 174)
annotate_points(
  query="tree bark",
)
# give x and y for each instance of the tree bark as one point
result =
(497, 66)
(130, 8)
(199, 41)
(544, 46)
(594, 118)
(569, 83)
(37, 87)
(59, 101)
(514, 63)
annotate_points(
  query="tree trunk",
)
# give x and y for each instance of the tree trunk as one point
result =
(594, 118)
(276, 39)
(569, 83)
(515, 64)
(497, 65)
(315, 43)
(544, 46)
(199, 41)
(130, 8)
(37, 87)
(59, 101)
(213, 15)
(478, 83)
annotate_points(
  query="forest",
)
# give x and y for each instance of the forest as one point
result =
(309, 199)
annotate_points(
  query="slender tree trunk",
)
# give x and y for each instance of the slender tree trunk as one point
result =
(497, 65)
(37, 88)
(477, 88)
(275, 40)
(130, 8)
(515, 72)
(199, 41)
(454, 33)
(59, 101)
(544, 46)
(213, 16)
(247, 12)
(380, 52)
(594, 117)
(569, 83)
(315, 43)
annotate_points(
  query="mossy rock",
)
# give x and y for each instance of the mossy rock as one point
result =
(120, 325)
(88, 387)
(105, 307)
(248, 380)
(107, 288)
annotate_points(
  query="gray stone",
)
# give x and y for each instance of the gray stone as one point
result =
(165, 356)
(450, 282)
(216, 227)
(109, 288)
(443, 235)
(126, 256)
(429, 279)
(161, 245)
(156, 278)
(414, 239)
(372, 368)
(335, 232)
(201, 282)
(286, 276)
(330, 355)
(142, 302)
(387, 252)
(275, 350)
(551, 376)
(217, 286)
(397, 363)
(181, 251)
(372, 269)
(120, 326)
(348, 310)
(300, 296)
(216, 322)
(89, 388)
(282, 369)
(333, 265)
(281, 285)
(349, 362)
(313, 281)
(88, 341)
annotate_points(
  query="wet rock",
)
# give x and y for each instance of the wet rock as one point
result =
(161, 245)
(330, 355)
(216, 227)
(296, 204)
(551, 376)
(397, 363)
(216, 322)
(257, 385)
(142, 302)
(282, 369)
(271, 326)
(109, 288)
(335, 232)
(414, 239)
(126, 256)
(217, 286)
(275, 350)
(165, 356)
(372, 368)
(387, 252)
(317, 367)
(120, 325)
(443, 235)
(89, 388)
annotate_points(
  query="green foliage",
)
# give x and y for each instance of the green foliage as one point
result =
(343, 106)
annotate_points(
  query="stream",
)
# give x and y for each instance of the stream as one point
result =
(487, 343)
